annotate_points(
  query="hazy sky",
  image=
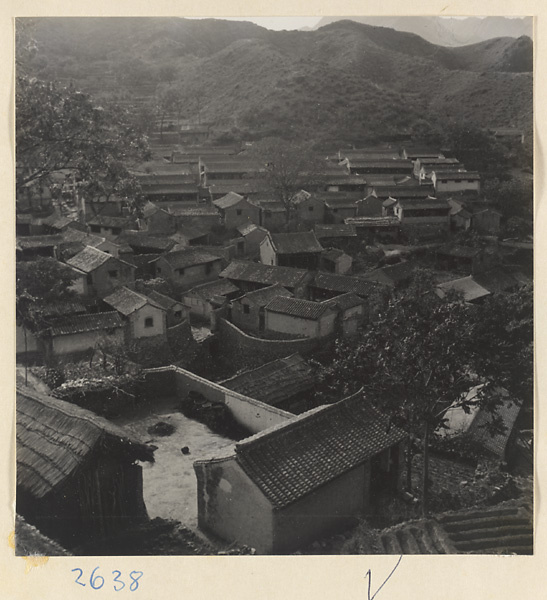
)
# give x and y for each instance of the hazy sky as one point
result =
(277, 23)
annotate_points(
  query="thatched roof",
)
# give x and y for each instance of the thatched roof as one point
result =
(55, 439)
(29, 541)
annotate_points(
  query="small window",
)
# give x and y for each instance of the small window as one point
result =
(149, 322)
(208, 268)
(470, 181)
(181, 272)
(310, 208)
(158, 269)
(239, 212)
(116, 230)
(113, 274)
(334, 210)
(246, 309)
(444, 180)
(178, 314)
(89, 278)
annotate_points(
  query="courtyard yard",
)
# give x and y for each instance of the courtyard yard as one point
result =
(170, 487)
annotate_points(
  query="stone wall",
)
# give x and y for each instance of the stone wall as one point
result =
(250, 413)
(242, 350)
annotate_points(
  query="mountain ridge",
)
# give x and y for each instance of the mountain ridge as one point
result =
(345, 79)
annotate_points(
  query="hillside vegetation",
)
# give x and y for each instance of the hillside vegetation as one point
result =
(346, 80)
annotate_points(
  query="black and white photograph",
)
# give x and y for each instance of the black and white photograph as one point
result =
(274, 286)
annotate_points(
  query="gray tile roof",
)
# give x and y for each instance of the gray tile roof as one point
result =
(296, 243)
(126, 301)
(335, 230)
(292, 460)
(161, 300)
(343, 284)
(188, 257)
(346, 301)
(296, 307)
(87, 322)
(508, 410)
(89, 259)
(229, 201)
(206, 291)
(39, 241)
(467, 286)
(275, 381)
(459, 175)
(240, 270)
(265, 295)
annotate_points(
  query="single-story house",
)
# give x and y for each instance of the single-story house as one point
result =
(188, 267)
(473, 423)
(325, 286)
(338, 209)
(470, 290)
(252, 235)
(157, 220)
(190, 236)
(300, 250)
(273, 215)
(143, 316)
(309, 477)
(334, 260)
(143, 242)
(247, 311)
(334, 231)
(298, 317)
(198, 300)
(456, 181)
(249, 276)
(308, 208)
(236, 210)
(99, 273)
(371, 206)
(376, 228)
(416, 152)
(58, 223)
(38, 246)
(176, 312)
(429, 211)
(393, 166)
(77, 474)
(499, 279)
(79, 333)
(110, 226)
(352, 311)
(466, 259)
(486, 220)
(286, 383)
(428, 164)
(392, 275)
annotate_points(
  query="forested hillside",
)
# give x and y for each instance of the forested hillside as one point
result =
(343, 81)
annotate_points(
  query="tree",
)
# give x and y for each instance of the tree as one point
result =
(288, 168)
(478, 149)
(59, 128)
(415, 362)
(38, 284)
(512, 198)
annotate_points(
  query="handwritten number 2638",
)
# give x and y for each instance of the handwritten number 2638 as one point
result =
(97, 581)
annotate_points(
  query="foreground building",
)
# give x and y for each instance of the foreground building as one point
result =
(77, 477)
(313, 475)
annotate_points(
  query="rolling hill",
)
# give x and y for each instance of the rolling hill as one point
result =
(345, 80)
(446, 31)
